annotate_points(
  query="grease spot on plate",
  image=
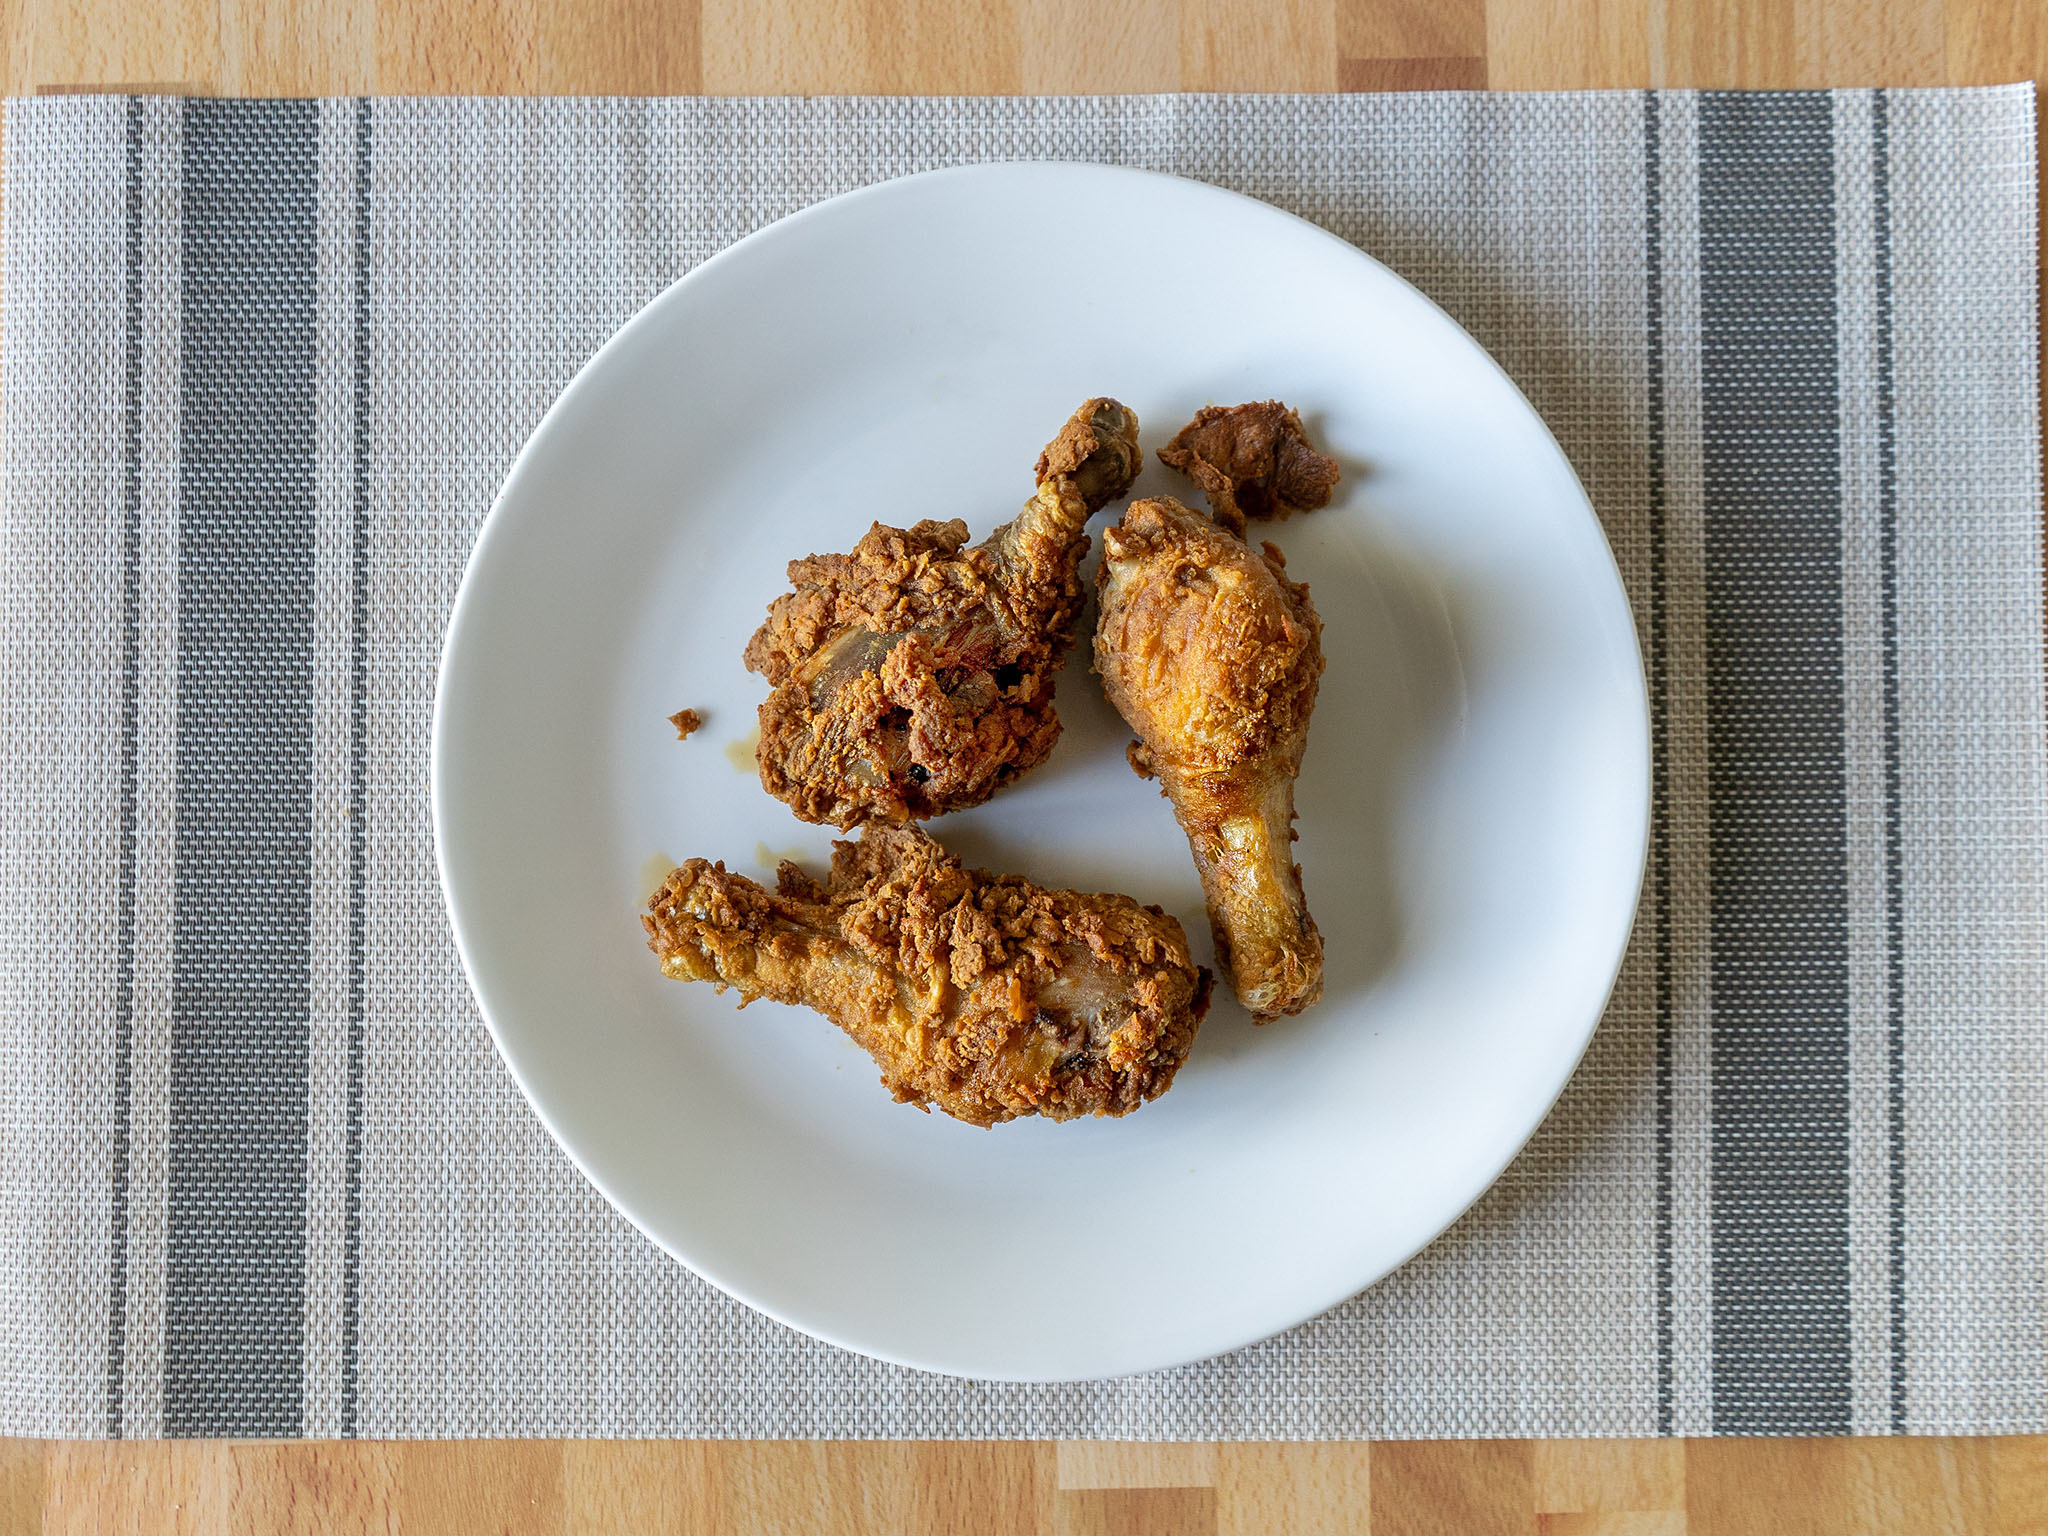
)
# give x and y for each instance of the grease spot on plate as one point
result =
(658, 868)
(740, 753)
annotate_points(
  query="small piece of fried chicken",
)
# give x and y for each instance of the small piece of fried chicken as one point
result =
(1252, 460)
(984, 995)
(914, 676)
(1213, 657)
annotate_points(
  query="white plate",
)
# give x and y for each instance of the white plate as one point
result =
(1473, 806)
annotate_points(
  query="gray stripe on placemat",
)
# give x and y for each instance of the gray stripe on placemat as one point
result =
(1863, 648)
(1777, 831)
(1894, 877)
(124, 937)
(359, 621)
(240, 988)
(333, 565)
(156, 688)
(1681, 564)
(1660, 749)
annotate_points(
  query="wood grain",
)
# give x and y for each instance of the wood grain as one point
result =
(1608, 1476)
(1559, 1488)
(1925, 1487)
(1453, 1488)
(297, 47)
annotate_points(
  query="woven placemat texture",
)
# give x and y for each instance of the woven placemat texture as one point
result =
(265, 364)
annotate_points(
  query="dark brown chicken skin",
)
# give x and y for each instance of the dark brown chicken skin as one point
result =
(914, 675)
(1213, 657)
(1252, 460)
(983, 995)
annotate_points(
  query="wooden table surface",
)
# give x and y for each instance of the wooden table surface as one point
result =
(1712, 1488)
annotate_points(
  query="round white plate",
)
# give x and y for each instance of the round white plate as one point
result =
(1473, 806)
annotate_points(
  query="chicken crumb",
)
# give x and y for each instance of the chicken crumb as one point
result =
(1252, 461)
(685, 721)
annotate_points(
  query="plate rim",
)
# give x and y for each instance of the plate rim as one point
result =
(493, 527)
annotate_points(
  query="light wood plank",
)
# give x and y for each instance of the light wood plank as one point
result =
(1276, 45)
(1761, 1487)
(881, 1488)
(291, 48)
(888, 46)
(1722, 42)
(1586, 45)
(1805, 43)
(305, 1489)
(103, 44)
(1411, 29)
(2020, 1485)
(1935, 1487)
(616, 48)
(1135, 1512)
(1087, 47)
(1470, 1487)
(993, 1488)
(1304, 1490)
(625, 1487)
(1990, 42)
(1903, 42)
(21, 1484)
(532, 47)
(1135, 1464)
(478, 1487)
(172, 1488)
(1411, 74)
(1576, 1476)
(491, 50)
(1663, 1522)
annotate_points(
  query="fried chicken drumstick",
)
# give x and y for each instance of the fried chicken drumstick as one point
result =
(1212, 656)
(982, 994)
(914, 675)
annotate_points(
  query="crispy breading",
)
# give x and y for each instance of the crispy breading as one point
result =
(983, 995)
(914, 675)
(1213, 657)
(1252, 460)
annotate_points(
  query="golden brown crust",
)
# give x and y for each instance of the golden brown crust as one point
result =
(984, 995)
(685, 721)
(1214, 657)
(914, 675)
(1252, 461)
(1217, 633)
(1097, 449)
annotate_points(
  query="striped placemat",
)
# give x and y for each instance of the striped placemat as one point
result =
(264, 366)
